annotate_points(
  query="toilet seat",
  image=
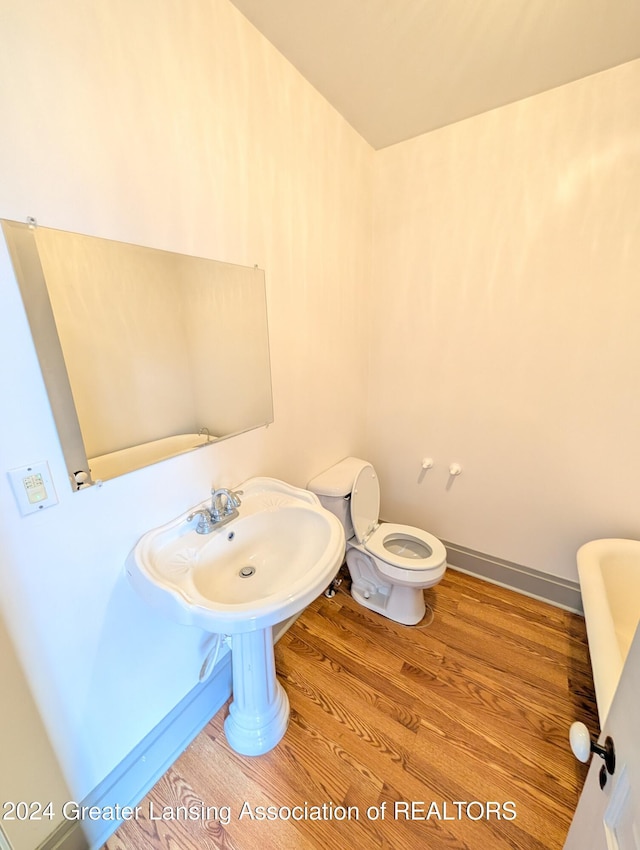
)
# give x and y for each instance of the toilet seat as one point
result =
(365, 503)
(402, 552)
(406, 553)
(407, 547)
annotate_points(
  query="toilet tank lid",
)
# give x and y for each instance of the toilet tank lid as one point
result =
(338, 480)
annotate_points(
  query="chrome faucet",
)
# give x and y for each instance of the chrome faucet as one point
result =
(224, 508)
(229, 508)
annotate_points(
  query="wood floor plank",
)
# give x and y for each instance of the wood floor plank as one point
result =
(471, 709)
(303, 657)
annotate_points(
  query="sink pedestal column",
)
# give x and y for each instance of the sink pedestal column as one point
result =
(259, 714)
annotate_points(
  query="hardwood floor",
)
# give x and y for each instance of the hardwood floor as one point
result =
(466, 718)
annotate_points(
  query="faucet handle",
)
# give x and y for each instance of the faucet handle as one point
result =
(204, 523)
(234, 498)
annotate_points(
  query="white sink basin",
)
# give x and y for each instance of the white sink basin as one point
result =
(291, 546)
(241, 579)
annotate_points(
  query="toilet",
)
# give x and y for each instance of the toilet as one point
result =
(390, 564)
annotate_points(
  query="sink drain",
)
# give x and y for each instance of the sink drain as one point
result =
(247, 572)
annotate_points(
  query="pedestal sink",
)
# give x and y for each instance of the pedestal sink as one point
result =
(269, 563)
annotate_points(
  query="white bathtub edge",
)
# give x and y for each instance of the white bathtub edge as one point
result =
(606, 659)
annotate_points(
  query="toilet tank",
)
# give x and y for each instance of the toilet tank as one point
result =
(333, 487)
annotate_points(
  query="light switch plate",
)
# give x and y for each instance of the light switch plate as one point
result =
(33, 487)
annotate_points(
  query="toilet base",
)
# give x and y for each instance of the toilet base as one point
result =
(404, 605)
(399, 602)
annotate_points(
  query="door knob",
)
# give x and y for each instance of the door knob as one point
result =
(583, 746)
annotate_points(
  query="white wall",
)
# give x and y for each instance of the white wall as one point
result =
(175, 125)
(506, 321)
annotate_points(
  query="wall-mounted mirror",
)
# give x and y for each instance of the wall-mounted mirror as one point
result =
(145, 353)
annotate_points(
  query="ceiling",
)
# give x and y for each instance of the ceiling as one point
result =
(399, 68)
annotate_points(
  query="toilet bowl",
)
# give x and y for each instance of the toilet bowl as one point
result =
(390, 564)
